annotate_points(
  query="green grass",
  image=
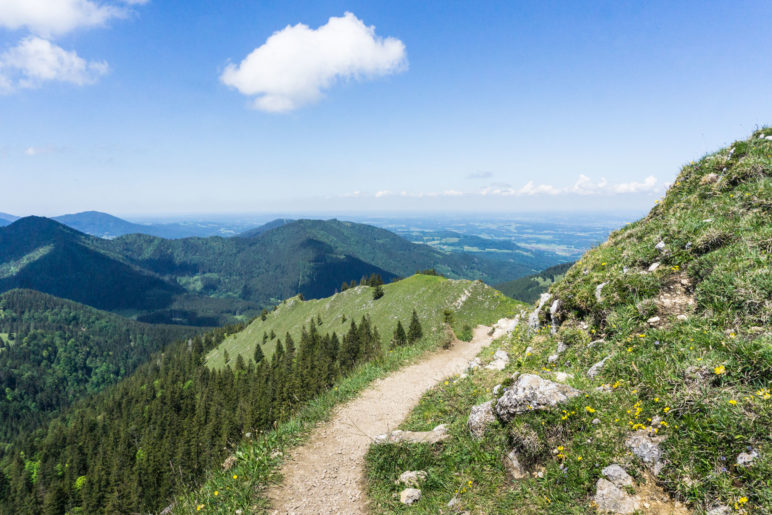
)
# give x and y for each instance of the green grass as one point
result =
(707, 376)
(428, 295)
(258, 461)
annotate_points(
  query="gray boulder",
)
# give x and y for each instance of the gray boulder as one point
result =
(479, 418)
(437, 434)
(609, 498)
(410, 496)
(617, 475)
(598, 290)
(745, 459)
(596, 368)
(531, 392)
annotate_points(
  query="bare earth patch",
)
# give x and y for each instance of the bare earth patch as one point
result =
(326, 474)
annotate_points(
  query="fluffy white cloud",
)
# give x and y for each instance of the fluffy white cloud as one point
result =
(296, 64)
(51, 17)
(35, 61)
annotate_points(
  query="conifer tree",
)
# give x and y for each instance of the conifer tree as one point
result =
(378, 292)
(400, 338)
(259, 356)
(415, 332)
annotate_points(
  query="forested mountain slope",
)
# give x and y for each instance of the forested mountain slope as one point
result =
(215, 280)
(642, 384)
(54, 351)
(528, 289)
(159, 431)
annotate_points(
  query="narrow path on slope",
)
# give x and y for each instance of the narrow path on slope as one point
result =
(325, 475)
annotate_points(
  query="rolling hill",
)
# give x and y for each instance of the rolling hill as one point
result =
(215, 280)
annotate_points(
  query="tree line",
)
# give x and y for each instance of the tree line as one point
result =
(154, 434)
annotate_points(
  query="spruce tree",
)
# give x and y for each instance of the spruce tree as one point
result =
(415, 331)
(259, 356)
(377, 292)
(400, 338)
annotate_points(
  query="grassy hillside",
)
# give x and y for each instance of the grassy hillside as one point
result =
(528, 289)
(428, 295)
(679, 304)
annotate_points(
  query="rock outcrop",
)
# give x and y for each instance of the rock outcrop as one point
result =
(531, 392)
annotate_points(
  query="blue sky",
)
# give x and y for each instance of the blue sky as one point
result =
(468, 106)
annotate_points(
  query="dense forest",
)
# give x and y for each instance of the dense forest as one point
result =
(527, 289)
(53, 351)
(154, 434)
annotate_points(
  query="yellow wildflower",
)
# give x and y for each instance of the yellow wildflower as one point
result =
(589, 409)
(235, 476)
(719, 370)
(732, 402)
(216, 493)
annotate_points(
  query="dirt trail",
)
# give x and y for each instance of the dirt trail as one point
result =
(325, 474)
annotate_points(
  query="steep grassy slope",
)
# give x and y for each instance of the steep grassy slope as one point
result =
(528, 289)
(679, 304)
(428, 295)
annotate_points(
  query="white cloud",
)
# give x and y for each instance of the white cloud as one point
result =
(583, 186)
(383, 193)
(39, 151)
(35, 61)
(297, 63)
(648, 184)
(52, 17)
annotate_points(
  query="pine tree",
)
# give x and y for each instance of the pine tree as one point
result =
(415, 332)
(377, 292)
(259, 356)
(400, 338)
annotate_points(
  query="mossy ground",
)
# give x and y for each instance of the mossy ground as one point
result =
(706, 375)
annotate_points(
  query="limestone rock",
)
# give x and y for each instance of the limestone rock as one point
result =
(410, 496)
(719, 510)
(617, 475)
(552, 358)
(645, 446)
(710, 178)
(533, 318)
(610, 498)
(653, 266)
(437, 434)
(500, 361)
(653, 321)
(479, 418)
(412, 478)
(531, 392)
(562, 347)
(598, 290)
(513, 466)
(660, 247)
(597, 367)
(745, 459)
(562, 377)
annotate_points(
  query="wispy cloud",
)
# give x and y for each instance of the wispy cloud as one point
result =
(35, 61)
(295, 64)
(39, 151)
(583, 186)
